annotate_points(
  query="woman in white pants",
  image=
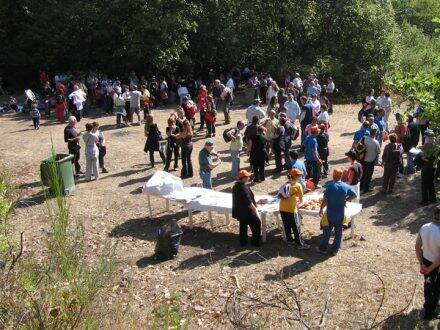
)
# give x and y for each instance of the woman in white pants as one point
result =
(92, 152)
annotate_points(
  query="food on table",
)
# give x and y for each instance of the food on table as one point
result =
(312, 204)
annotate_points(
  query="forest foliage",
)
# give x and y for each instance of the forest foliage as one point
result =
(358, 42)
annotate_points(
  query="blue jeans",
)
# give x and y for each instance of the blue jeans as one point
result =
(206, 179)
(337, 225)
(235, 159)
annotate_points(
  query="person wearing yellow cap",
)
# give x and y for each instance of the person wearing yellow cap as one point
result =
(290, 194)
(244, 209)
(336, 194)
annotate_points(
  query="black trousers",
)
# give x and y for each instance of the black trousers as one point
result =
(389, 177)
(75, 161)
(36, 122)
(291, 224)
(102, 153)
(278, 156)
(202, 119)
(187, 168)
(324, 164)
(146, 110)
(428, 188)
(151, 153)
(368, 170)
(170, 151)
(254, 223)
(210, 126)
(258, 170)
(431, 290)
(313, 171)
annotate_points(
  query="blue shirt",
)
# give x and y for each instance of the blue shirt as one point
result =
(312, 90)
(380, 122)
(298, 164)
(310, 148)
(336, 193)
(360, 134)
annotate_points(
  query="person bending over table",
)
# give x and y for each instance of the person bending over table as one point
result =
(244, 209)
(336, 194)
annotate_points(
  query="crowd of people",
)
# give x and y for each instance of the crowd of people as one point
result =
(298, 111)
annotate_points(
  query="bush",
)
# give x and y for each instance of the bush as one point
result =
(63, 287)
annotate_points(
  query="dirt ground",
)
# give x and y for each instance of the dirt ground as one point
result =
(218, 282)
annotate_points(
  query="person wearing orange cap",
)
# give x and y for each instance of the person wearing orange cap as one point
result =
(290, 194)
(244, 209)
(336, 194)
(311, 155)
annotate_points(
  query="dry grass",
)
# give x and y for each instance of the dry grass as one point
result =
(210, 263)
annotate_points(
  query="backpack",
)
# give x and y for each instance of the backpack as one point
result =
(168, 241)
(226, 135)
(395, 155)
(406, 141)
(284, 191)
(360, 150)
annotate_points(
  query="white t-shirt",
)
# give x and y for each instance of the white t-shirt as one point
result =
(78, 97)
(330, 87)
(372, 149)
(297, 82)
(135, 99)
(230, 84)
(182, 91)
(252, 111)
(430, 235)
(293, 110)
(316, 105)
(323, 116)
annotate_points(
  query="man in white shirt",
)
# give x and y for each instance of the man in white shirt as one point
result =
(293, 109)
(135, 104)
(78, 98)
(428, 254)
(254, 110)
(297, 82)
(371, 156)
(329, 90)
(316, 105)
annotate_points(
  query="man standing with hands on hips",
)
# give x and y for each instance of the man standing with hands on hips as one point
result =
(428, 254)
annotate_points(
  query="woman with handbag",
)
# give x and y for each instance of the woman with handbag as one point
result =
(154, 136)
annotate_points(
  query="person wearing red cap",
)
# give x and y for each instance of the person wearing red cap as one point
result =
(244, 209)
(311, 155)
(336, 194)
(290, 194)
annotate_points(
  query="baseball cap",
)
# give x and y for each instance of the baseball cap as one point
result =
(337, 173)
(370, 116)
(209, 143)
(294, 172)
(244, 174)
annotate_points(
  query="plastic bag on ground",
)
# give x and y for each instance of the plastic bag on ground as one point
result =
(168, 240)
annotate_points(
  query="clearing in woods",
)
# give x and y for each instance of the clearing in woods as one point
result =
(218, 282)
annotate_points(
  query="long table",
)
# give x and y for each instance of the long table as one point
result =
(206, 200)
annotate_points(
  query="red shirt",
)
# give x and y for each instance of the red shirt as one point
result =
(400, 131)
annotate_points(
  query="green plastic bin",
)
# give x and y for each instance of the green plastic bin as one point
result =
(64, 168)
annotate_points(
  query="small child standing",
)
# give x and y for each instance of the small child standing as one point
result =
(35, 114)
(323, 150)
(290, 194)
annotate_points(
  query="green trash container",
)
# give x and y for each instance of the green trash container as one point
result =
(64, 170)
